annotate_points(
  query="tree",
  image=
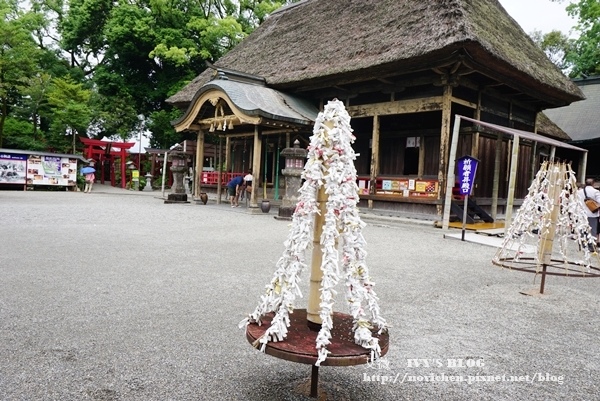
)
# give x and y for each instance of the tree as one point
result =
(18, 55)
(71, 112)
(585, 53)
(556, 45)
(148, 49)
(122, 59)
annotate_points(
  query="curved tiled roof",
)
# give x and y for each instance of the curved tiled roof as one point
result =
(259, 101)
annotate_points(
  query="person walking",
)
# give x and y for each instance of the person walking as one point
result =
(89, 182)
(233, 190)
(590, 191)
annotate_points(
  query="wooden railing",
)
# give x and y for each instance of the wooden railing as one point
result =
(212, 177)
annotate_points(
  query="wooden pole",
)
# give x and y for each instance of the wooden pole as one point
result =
(421, 168)
(496, 182)
(199, 163)
(444, 168)
(220, 170)
(583, 167)
(227, 154)
(316, 274)
(256, 151)
(534, 166)
(374, 160)
(265, 169)
(556, 174)
(451, 175)
(512, 182)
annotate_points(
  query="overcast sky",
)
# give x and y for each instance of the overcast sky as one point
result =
(543, 15)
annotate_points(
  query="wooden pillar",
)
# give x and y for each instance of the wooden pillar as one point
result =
(475, 141)
(199, 163)
(583, 167)
(421, 169)
(445, 142)
(533, 161)
(374, 159)
(451, 175)
(257, 148)
(151, 168)
(220, 170)
(512, 182)
(496, 182)
(534, 166)
(123, 170)
(227, 154)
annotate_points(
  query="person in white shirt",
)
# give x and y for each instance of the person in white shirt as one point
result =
(248, 181)
(590, 191)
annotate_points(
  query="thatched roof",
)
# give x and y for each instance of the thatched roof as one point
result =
(324, 42)
(547, 127)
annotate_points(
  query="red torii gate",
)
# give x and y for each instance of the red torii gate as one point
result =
(103, 150)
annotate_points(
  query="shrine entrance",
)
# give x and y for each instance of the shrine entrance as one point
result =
(105, 154)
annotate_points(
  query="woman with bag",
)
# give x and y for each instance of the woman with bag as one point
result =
(590, 192)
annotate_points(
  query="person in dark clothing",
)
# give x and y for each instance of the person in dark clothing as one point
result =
(233, 190)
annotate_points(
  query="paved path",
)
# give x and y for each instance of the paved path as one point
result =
(115, 295)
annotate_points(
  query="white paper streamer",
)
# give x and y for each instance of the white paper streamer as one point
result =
(330, 164)
(532, 222)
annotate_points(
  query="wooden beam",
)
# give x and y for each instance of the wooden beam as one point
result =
(397, 107)
(464, 102)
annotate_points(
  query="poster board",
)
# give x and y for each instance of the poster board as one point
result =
(409, 188)
(12, 168)
(51, 170)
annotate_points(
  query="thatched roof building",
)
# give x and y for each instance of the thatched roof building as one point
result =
(405, 69)
(313, 44)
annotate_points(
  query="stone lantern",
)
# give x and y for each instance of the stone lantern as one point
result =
(178, 160)
(294, 165)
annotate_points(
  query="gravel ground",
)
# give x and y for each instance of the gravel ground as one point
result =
(113, 296)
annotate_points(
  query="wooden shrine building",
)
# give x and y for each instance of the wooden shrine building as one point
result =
(404, 69)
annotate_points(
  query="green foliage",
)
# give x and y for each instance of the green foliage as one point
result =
(163, 134)
(18, 55)
(584, 55)
(557, 46)
(18, 135)
(69, 104)
(105, 68)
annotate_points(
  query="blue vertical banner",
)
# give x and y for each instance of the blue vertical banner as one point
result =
(467, 167)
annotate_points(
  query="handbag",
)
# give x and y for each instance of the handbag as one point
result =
(591, 203)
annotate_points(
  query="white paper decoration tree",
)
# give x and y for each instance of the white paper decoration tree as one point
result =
(550, 234)
(329, 197)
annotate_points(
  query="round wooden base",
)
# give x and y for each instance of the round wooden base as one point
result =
(300, 344)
